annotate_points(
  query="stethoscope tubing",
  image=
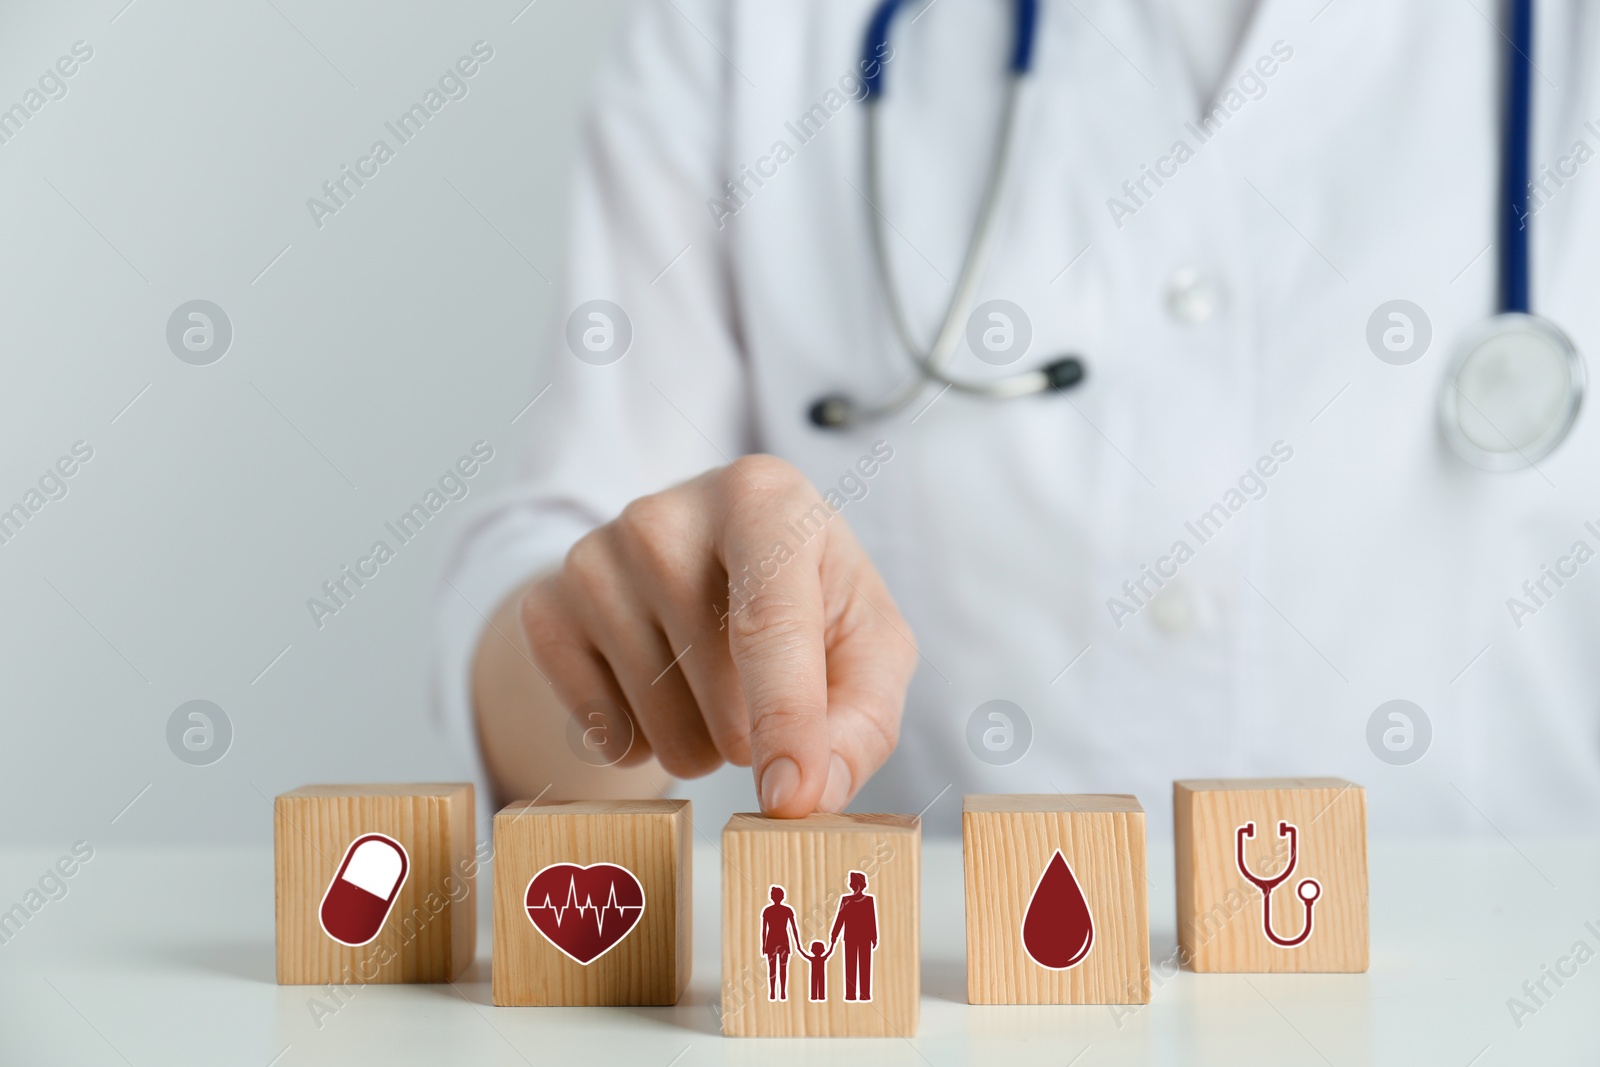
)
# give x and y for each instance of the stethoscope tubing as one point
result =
(931, 363)
(1516, 132)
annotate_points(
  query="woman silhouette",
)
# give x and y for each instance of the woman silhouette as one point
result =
(777, 920)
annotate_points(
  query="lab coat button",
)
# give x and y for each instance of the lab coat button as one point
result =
(1194, 296)
(1179, 610)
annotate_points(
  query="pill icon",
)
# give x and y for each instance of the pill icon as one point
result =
(364, 889)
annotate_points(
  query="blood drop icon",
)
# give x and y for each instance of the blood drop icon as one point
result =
(1057, 930)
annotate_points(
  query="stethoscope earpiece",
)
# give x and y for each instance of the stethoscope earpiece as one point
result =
(837, 411)
(1064, 373)
(831, 412)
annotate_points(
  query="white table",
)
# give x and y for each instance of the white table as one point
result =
(165, 957)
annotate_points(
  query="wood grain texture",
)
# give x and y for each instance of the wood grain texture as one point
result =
(1220, 924)
(651, 839)
(812, 858)
(430, 934)
(1007, 842)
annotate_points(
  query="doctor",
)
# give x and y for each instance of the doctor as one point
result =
(1240, 246)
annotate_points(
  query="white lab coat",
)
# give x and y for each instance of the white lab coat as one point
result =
(1375, 567)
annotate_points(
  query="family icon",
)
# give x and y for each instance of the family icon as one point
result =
(855, 921)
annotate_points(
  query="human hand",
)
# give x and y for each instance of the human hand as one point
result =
(791, 656)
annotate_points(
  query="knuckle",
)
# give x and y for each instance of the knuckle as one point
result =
(551, 643)
(770, 620)
(542, 618)
(765, 471)
(775, 723)
(871, 720)
(535, 613)
(884, 733)
(730, 730)
(588, 561)
(760, 480)
(645, 517)
(535, 601)
(688, 760)
(546, 638)
(881, 617)
(654, 530)
(735, 748)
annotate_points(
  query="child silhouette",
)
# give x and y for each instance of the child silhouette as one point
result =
(819, 968)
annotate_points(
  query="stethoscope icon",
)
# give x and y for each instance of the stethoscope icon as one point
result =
(1308, 890)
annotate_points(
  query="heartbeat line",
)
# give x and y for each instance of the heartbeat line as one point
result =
(571, 904)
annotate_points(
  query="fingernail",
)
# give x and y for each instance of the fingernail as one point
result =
(837, 792)
(779, 782)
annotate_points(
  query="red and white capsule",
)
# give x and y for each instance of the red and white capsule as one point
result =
(363, 890)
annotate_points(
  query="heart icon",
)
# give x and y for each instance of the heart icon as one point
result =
(584, 911)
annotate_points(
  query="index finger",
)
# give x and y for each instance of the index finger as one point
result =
(771, 542)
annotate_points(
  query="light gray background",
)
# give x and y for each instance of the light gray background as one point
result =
(373, 352)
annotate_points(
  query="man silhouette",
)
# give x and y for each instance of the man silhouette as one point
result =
(857, 920)
(777, 919)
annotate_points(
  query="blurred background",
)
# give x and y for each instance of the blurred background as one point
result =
(370, 349)
(238, 349)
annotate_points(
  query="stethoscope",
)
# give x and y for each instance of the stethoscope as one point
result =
(1308, 890)
(839, 410)
(1515, 383)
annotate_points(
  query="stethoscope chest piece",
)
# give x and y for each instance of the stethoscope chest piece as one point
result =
(1512, 392)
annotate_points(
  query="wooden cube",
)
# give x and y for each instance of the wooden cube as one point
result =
(1057, 911)
(1272, 874)
(592, 902)
(375, 883)
(820, 926)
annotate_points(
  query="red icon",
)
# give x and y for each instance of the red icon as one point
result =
(364, 889)
(1057, 930)
(777, 926)
(855, 922)
(584, 911)
(818, 959)
(1308, 890)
